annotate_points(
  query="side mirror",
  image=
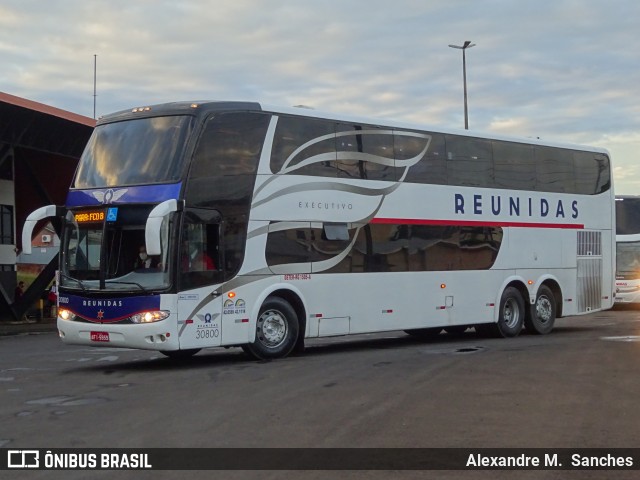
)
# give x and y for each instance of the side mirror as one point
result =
(154, 223)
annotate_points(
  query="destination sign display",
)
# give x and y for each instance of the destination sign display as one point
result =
(89, 216)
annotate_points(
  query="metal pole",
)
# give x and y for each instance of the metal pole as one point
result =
(464, 81)
(95, 69)
(463, 47)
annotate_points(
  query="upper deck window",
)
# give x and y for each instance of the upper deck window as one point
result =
(135, 152)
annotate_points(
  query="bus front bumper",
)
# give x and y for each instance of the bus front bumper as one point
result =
(149, 336)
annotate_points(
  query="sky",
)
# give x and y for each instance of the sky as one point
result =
(560, 70)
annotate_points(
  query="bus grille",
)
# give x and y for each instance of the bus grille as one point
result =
(589, 284)
(589, 244)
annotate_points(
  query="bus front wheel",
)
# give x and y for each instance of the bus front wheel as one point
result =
(276, 330)
(542, 315)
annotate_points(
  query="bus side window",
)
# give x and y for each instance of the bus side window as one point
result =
(364, 152)
(469, 161)
(514, 165)
(199, 259)
(432, 167)
(229, 145)
(555, 170)
(304, 146)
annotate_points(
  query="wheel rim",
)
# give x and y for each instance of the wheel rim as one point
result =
(272, 328)
(511, 313)
(544, 309)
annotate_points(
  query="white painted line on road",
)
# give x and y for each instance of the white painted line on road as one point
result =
(101, 350)
(628, 338)
(110, 358)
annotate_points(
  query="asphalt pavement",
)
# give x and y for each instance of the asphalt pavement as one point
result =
(27, 326)
(575, 388)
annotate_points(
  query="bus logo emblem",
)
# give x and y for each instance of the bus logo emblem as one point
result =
(108, 196)
(207, 317)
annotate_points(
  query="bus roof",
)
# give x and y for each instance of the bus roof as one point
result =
(201, 108)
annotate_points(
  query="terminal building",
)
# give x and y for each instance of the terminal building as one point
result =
(40, 147)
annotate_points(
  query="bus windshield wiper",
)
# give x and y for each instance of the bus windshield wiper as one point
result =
(130, 283)
(63, 275)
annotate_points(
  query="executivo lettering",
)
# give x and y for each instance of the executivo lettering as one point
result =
(325, 205)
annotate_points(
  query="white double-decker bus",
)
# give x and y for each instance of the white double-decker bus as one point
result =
(267, 226)
(627, 249)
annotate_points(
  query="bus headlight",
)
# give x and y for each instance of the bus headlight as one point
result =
(65, 314)
(150, 317)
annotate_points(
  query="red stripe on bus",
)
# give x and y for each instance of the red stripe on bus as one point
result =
(474, 223)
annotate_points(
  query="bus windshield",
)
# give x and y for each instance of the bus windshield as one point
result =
(112, 255)
(627, 215)
(135, 152)
(628, 260)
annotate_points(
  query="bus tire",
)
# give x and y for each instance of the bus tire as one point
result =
(276, 330)
(180, 354)
(512, 313)
(542, 314)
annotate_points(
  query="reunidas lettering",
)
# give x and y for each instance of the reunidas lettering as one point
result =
(519, 207)
(102, 303)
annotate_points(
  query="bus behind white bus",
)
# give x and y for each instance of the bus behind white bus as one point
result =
(627, 250)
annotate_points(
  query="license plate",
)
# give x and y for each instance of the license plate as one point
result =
(99, 336)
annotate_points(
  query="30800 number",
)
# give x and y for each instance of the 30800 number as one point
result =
(207, 333)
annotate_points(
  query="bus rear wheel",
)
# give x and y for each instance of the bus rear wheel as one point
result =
(511, 317)
(542, 315)
(276, 330)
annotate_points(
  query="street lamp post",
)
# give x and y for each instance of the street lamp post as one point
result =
(463, 47)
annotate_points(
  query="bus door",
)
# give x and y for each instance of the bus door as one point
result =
(199, 278)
